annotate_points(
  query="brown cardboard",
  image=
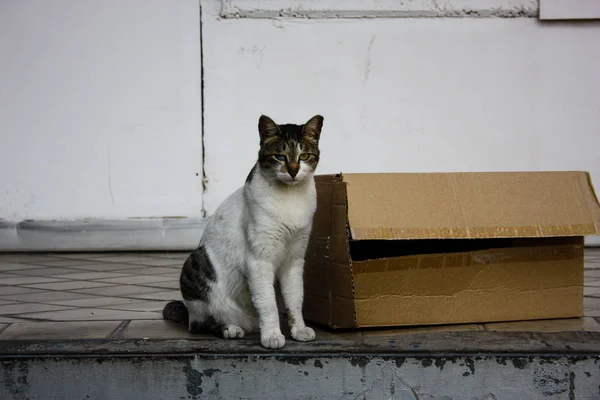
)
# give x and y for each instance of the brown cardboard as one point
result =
(420, 249)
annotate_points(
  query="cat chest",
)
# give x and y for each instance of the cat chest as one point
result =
(296, 216)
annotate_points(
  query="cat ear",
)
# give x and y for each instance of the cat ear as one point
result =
(267, 128)
(313, 127)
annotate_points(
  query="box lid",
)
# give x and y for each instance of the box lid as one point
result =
(471, 205)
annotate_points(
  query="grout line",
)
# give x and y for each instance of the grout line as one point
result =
(24, 286)
(90, 262)
(27, 319)
(126, 266)
(5, 328)
(118, 329)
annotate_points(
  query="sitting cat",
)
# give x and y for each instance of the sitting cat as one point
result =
(258, 235)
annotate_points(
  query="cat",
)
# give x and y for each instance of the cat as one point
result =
(258, 236)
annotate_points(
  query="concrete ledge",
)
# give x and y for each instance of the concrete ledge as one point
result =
(418, 366)
(102, 235)
(486, 377)
(459, 343)
(379, 9)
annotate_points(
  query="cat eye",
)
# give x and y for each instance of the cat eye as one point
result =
(280, 157)
(304, 156)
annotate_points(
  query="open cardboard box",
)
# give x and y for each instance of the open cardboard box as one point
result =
(446, 248)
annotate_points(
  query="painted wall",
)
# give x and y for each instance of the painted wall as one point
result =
(100, 109)
(101, 114)
(403, 94)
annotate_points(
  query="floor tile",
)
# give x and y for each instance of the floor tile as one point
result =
(60, 330)
(173, 284)
(24, 258)
(591, 303)
(167, 296)
(15, 267)
(95, 301)
(138, 280)
(44, 297)
(10, 319)
(556, 325)
(591, 291)
(79, 256)
(594, 262)
(155, 262)
(63, 263)
(592, 252)
(150, 271)
(123, 258)
(119, 291)
(108, 288)
(47, 271)
(86, 276)
(105, 267)
(94, 314)
(26, 280)
(22, 308)
(158, 329)
(10, 274)
(139, 306)
(175, 256)
(592, 273)
(5, 290)
(69, 285)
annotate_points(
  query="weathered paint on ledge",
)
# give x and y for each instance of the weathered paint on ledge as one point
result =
(312, 377)
(379, 9)
(433, 365)
(138, 234)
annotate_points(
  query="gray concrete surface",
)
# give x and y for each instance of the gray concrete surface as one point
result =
(437, 365)
(292, 377)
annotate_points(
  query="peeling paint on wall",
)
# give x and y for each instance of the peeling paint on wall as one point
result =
(379, 9)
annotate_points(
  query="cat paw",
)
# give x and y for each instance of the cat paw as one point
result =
(305, 334)
(272, 341)
(232, 332)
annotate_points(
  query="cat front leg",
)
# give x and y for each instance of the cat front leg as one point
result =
(261, 279)
(292, 289)
(291, 278)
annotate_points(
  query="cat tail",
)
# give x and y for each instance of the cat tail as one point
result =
(176, 311)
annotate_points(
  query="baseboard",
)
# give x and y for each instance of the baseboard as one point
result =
(592, 241)
(167, 234)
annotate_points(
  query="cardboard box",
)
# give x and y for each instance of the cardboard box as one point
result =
(445, 248)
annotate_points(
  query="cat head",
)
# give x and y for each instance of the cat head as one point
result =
(289, 153)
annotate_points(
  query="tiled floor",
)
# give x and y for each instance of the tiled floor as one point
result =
(118, 296)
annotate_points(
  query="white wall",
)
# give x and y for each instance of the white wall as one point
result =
(100, 102)
(404, 94)
(100, 111)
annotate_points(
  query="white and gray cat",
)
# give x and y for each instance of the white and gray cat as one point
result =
(256, 237)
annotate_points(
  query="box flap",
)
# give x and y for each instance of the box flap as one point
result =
(471, 205)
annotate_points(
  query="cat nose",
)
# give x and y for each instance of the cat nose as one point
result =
(293, 169)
